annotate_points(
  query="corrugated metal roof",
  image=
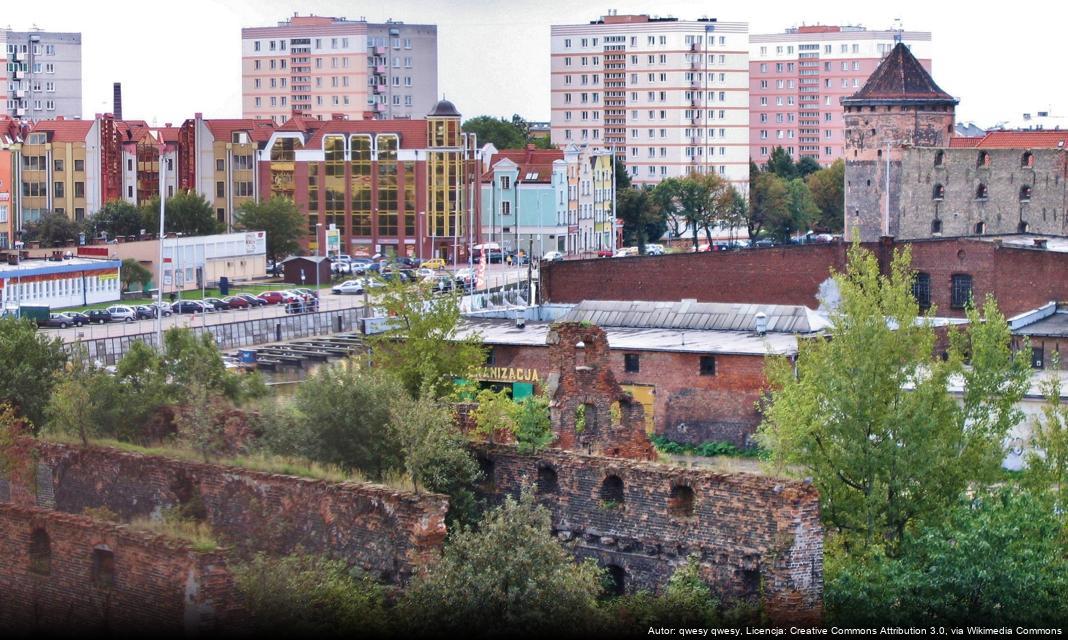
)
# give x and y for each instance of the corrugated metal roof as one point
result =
(709, 316)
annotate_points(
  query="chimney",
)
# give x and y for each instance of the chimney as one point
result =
(116, 90)
(761, 323)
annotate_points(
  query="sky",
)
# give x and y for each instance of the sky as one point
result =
(493, 57)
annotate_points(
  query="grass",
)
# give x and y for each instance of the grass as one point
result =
(198, 534)
(266, 463)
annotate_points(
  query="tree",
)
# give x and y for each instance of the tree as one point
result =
(310, 596)
(194, 359)
(640, 215)
(800, 211)
(188, 213)
(1047, 458)
(806, 166)
(685, 602)
(533, 427)
(280, 219)
(702, 201)
(53, 229)
(665, 196)
(501, 133)
(133, 271)
(85, 401)
(348, 410)
(997, 559)
(200, 420)
(508, 577)
(828, 192)
(768, 203)
(424, 347)
(781, 164)
(118, 218)
(495, 413)
(868, 414)
(30, 363)
(622, 175)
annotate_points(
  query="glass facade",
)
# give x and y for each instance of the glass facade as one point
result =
(361, 185)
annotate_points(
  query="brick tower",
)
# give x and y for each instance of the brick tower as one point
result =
(899, 107)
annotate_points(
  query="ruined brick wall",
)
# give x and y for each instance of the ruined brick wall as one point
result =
(582, 381)
(387, 532)
(942, 185)
(1020, 278)
(755, 537)
(158, 584)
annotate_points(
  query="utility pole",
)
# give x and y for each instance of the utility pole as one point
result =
(159, 287)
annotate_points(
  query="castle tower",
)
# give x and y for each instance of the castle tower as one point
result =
(899, 107)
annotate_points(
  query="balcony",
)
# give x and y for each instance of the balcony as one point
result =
(379, 51)
(695, 83)
(380, 108)
(380, 88)
(380, 69)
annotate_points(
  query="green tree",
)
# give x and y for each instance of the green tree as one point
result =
(868, 414)
(280, 219)
(702, 201)
(424, 348)
(510, 576)
(143, 380)
(1047, 458)
(53, 229)
(686, 602)
(997, 559)
(30, 364)
(622, 175)
(310, 596)
(348, 411)
(781, 164)
(187, 213)
(665, 196)
(642, 217)
(194, 359)
(133, 271)
(501, 133)
(85, 402)
(533, 427)
(118, 218)
(495, 413)
(199, 420)
(769, 203)
(828, 191)
(806, 166)
(800, 211)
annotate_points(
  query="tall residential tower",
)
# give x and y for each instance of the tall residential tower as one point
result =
(317, 66)
(797, 80)
(671, 97)
(41, 77)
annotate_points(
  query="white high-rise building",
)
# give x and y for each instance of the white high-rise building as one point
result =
(671, 97)
(41, 75)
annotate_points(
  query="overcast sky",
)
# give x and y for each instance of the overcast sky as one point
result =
(177, 58)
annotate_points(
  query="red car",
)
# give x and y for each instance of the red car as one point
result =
(237, 303)
(277, 297)
(604, 253)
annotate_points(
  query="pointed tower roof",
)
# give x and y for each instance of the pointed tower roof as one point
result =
(899, 79)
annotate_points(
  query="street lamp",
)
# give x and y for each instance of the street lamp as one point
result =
(159, 284)
(318, 234)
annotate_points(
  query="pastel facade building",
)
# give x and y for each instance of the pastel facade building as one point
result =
(797, 80)
(524, 199)
(317, 66)
(670, 97)
(42, 74)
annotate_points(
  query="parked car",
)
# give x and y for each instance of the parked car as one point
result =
(77, 319)
(217, 304)
(440, 283)
(764, 242)
(433, 263)
(390, 276)
(58, 320)
(357, 286)
(276, 297)
(145, 312)
(359, 265)
(307, 292)
(407, 262)
(341, 267)
(552, 256)
(654, 249)
(252, 300)
(237, 302)
(160, 307)
(122, 313)
(188, 306)
(99, 316)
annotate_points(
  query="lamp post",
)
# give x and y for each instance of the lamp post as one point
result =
(318, 235)
(159, 285)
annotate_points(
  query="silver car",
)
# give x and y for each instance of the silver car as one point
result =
(122, 313)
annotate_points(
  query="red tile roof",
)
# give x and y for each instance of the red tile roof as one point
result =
(530, 161)
(258, 130)
(900, 78)
(412, 132)
(964, 143)
(1057, 139)
(64, 130)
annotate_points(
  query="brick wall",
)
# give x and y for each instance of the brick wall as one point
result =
(1020, 278)
(755, 536)
(159, 584)
(388, 532)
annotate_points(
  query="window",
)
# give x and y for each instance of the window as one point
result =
(981, 192)
(79, 165)
(612, 488)
(220, 189)
(708, 365)
(1037, 358)
(982, 160)
(680, 502)
(57, 189)
(961, 290)
(938, 192)
(631, 363)
(940, 158)
(1027, 160)
(980, 228)
(921, 290)
(547, 480)
(103, 571)
(1025, 193)
(40, 553)
(936, 227)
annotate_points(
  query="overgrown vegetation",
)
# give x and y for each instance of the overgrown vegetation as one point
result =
(706, 449)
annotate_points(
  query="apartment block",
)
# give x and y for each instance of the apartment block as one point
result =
(318, 66)
(797, 80)
(42, 74)
(669, 97)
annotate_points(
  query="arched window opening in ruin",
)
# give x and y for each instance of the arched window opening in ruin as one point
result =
(981, 192)
(879, 153)
(617, 580)
(980, 228)
(612, 491)
(940, 158)
(936, 226)
(681, 501)
(486, 467)
(1025, 193)
(1022, 227)
(585, 417)
(40, 553)
(1027, 160)
(983, 160)
(103, 573)
(547, 480)
(938, 193)
(580, 354)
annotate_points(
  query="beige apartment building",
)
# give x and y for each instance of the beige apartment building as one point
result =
(669, 96)
(318, 66)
